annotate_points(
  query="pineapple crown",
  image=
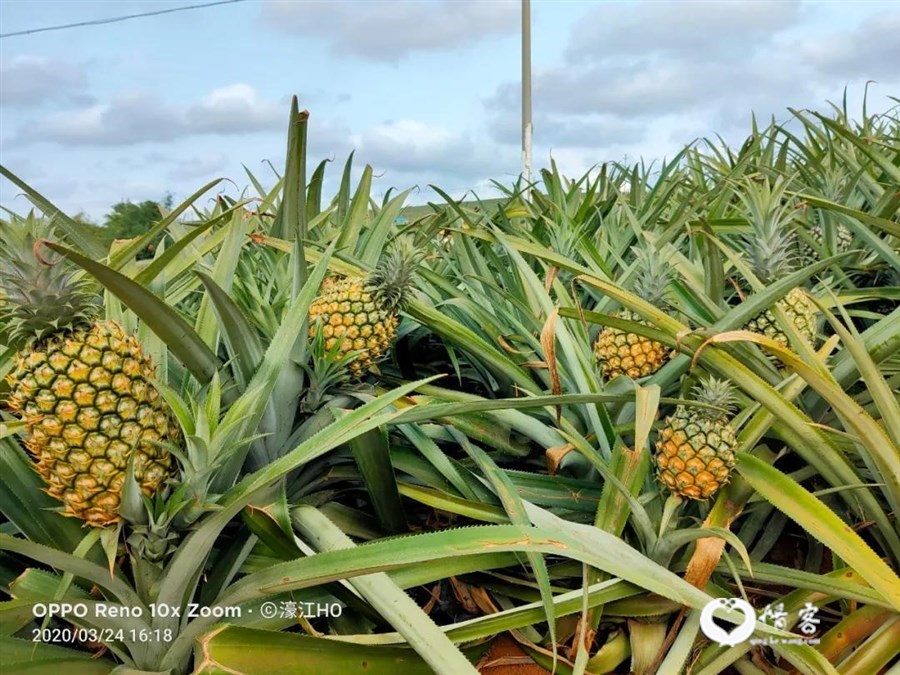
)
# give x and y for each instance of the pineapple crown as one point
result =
(391, 281)
(772, 246)
(716, 392)
(653, 276)
(38, 297)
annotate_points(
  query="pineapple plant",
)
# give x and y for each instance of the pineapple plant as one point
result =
(82, 386)
(772, 250)
(360, 314)
(619, 352)
(218, 535)
(695, 450)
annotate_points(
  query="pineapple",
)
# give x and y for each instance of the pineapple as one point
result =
(832, 183)
(842, 233)
(695, 450)
(361, 314)
(82, 386)
(843, 237)
(772, 255)
(621, 353)
(800, 311)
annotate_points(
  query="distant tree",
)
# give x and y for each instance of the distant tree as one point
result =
(100, 233)
(127, 220)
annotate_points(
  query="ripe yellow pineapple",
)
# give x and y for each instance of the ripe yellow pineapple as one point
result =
(622, 353)
(772, 251)
(361, 314)
(695, 450)
(82, 386)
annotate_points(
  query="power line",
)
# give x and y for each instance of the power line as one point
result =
(98, 22)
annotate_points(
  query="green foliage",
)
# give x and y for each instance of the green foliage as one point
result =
(294, 483)
(127, 220)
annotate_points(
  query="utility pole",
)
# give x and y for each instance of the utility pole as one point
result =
(526, 90)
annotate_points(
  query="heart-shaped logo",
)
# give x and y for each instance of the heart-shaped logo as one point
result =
(716, 633)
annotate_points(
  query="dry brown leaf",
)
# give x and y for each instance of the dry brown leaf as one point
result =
(507, 347)
(548, 344)
(505, 657)
(555, 457)
(552, 273)
(474, 599)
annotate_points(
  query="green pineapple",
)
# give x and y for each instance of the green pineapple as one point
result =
(695, 450)
(624, 353)
(81, 385)
(843, 238)
(362, 314)
(834, 184)
(772, 251)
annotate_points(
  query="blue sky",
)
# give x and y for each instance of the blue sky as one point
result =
(425, 91)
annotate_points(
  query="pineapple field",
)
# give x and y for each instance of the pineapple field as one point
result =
(641, 421)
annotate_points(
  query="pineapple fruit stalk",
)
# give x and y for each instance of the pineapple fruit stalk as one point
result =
(695, 450)
(623, 353)
(772, 255)
(82, 386)
(360, 314)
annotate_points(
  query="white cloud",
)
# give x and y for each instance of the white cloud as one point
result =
(425, 152)
(409, 145)
(198, 167)
(872, 49)
(139, 117)
(390, 30)
(29, 80)
(694, 30)
(130, 118)
(236, 108)
(567, 131)
(699, 67)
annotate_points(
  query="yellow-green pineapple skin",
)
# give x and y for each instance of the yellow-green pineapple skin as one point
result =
(843, 243)
(800, 312)
(844, 236)
(622, 353)
(349, 313)
(89, 406)
(695, 456)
